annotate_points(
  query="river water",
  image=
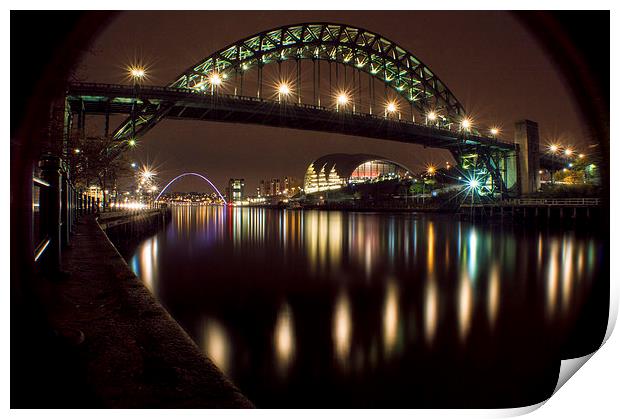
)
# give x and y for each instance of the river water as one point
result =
(351, 309)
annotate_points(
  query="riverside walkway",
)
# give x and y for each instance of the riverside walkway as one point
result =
(126, 350)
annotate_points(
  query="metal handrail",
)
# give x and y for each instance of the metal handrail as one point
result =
(43, 244)
(40, 248)
(553, 201)
(40, 182)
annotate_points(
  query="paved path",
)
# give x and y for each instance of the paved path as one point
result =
(133, 353)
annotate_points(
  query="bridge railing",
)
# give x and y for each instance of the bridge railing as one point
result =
(552, 202)
(136, 90)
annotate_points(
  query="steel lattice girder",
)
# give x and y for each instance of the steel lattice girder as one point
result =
(486, 162)
(355, 47)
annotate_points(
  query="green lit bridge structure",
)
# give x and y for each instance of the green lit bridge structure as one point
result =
(312, 76)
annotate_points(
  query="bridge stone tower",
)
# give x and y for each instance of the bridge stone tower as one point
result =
(526, 135)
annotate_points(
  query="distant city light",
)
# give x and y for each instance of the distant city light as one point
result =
(133, 164)
(76, 151)
(131, 142)
(581, 155)
(147, 174)
(554, 148)
(568, 152)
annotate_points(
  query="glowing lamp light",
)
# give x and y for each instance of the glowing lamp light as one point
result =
(554, 148)
(430, 170)
(494, 131)
(284, 89)
(137, 73)
(76, 151)
(466, 124)
(215, 79)
(343, 99)
(391, 107)
(474, 183)
(581, 155)
(432, 116)
(568, 152)
(147, 174)
(133, 165)
(132, 142)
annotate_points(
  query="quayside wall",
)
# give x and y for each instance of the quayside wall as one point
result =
(128, 351)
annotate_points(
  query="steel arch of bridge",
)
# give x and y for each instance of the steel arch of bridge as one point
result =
(191, 174)
(359, 48)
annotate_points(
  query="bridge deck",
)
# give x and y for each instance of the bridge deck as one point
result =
(178, 103)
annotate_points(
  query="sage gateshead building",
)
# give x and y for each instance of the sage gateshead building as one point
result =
(335, 171)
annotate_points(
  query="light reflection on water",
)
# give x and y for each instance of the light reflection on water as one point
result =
(284, 336)
(341, 329)
(279, 296)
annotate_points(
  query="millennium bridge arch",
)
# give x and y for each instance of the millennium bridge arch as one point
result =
(191, 174)
(216, 89)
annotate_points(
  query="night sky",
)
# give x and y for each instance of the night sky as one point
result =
(487, 59)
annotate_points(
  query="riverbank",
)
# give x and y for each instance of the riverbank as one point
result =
(119, 346)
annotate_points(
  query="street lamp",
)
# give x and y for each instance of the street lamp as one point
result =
(431, 116)
(390, 108)
(553, 149)
(568, 152)
(466, 124)
(494, 131)
(215, 80)
(283, 90)
(136, 73)
(341, 100)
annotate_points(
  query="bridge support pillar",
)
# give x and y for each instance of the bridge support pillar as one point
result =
(526, 135)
